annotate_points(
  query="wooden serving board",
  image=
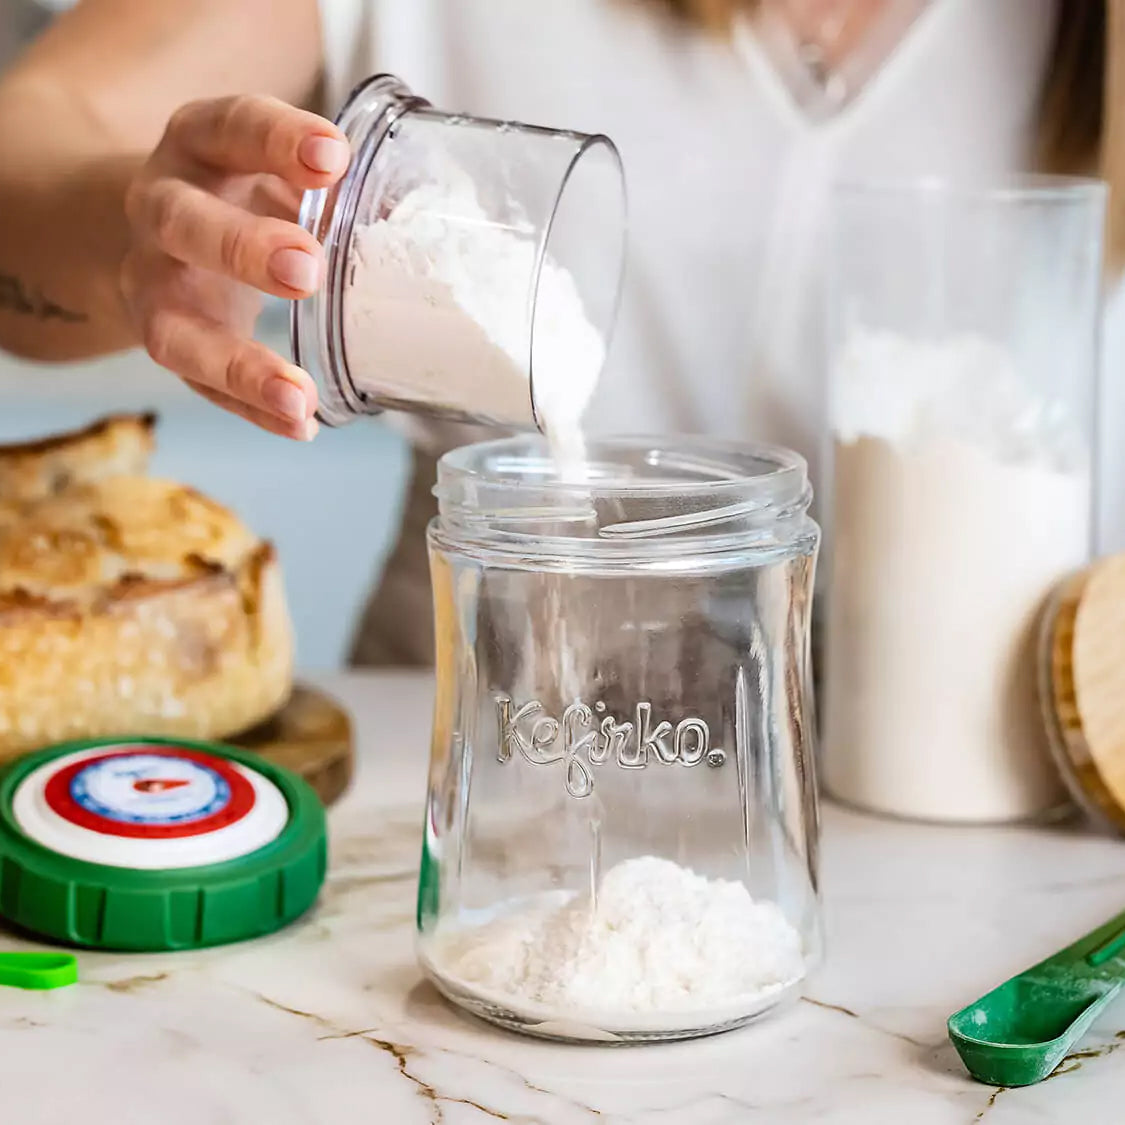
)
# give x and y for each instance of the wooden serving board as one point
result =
(312, 736)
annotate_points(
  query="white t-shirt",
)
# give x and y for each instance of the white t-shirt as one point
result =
(720, 329)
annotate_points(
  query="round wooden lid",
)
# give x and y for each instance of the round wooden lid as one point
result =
(1082, 677)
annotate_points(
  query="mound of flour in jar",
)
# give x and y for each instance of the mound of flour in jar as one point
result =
(661, 939)
(961, 496)
(437, 310)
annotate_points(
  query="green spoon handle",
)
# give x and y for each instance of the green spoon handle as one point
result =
(1109, 948)
(1095, 951)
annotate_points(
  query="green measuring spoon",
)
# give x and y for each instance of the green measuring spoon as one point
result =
(38, 970)
(1018, 1033)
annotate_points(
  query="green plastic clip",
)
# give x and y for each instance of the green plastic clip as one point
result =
(38, 970)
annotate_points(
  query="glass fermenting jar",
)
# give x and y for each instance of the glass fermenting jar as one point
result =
(621, 830)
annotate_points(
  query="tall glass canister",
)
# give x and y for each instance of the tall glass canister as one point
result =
(621, 834)
(963, 371)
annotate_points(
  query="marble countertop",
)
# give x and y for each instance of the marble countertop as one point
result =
(329, 1023)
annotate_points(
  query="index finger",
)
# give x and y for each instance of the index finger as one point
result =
(251, 133)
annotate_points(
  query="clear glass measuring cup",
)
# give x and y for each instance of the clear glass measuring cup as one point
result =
(457, 251)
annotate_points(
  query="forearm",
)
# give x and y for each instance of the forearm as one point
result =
(78, 114)
(62, 231)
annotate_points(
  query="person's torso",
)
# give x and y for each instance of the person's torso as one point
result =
(720, 324)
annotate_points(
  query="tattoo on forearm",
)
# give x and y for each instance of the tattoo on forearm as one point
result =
(18, 298)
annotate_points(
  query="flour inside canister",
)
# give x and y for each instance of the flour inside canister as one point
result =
(960, 498)
(437, 310)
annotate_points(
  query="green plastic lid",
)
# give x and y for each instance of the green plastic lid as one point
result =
(156, 844)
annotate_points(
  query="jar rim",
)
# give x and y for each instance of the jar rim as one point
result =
(659, 490)
(717, 465)
(588, 143)
(328, 214)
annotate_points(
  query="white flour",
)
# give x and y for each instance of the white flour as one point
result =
(437, 310)
(960, 499)
(662, 939)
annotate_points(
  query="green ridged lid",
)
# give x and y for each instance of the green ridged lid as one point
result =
(156, 844)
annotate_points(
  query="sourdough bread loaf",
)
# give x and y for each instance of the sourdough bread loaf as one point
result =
(129, 605)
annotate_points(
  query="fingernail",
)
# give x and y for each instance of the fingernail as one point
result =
(312, 428)
(285, 399)
(324, 154)
(295, 268)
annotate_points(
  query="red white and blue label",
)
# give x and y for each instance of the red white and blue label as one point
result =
(149, 806)
(149, 792)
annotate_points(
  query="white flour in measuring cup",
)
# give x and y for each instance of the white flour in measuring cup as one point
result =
(961, 497)
(438, 300)
(437, 305)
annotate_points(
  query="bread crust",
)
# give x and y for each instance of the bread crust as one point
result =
(128, 605)
(118, 445)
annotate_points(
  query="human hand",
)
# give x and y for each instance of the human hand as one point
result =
(212, 219)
